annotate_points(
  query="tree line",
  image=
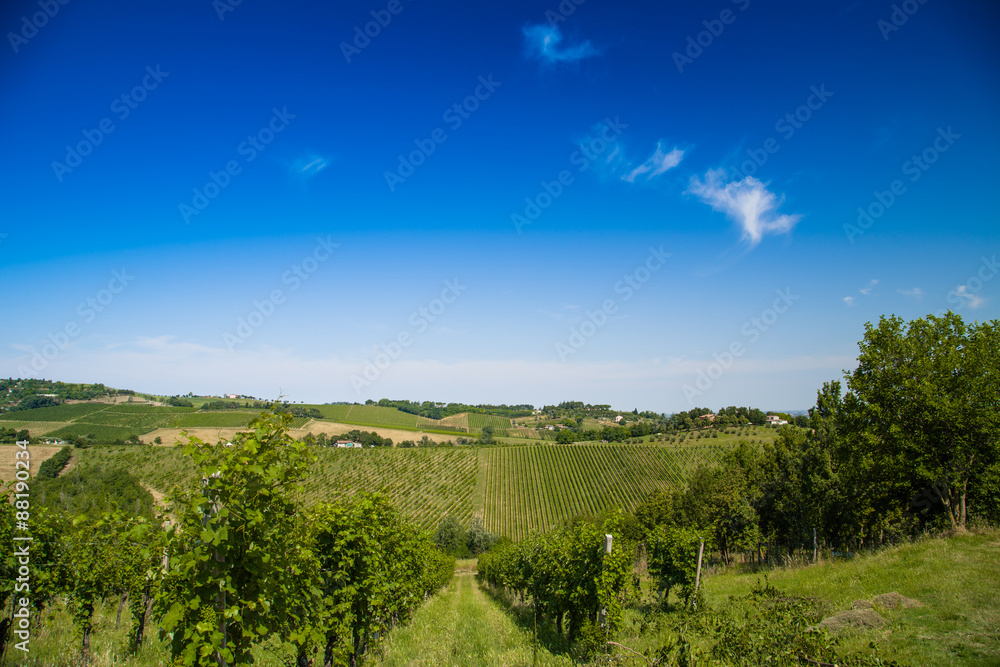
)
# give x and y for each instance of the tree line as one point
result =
(912, 445)
(433, 410)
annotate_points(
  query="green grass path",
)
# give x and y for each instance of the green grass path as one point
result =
(461, 626)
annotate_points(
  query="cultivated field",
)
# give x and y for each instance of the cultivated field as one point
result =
(38, 453)
(534, 488)
(515, 489)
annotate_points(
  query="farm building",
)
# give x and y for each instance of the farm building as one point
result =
(347, 443)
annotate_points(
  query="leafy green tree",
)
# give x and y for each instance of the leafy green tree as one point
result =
(479, 539)
(922, 412)
(655, 509)
(450, 536)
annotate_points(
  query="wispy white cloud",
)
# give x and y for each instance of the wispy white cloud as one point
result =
(309, 165)
(657, 163)
(851, 300)
(916, 293)
(748, 202)
(971, 299)
(545, 42)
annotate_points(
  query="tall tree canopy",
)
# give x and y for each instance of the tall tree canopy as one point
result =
(923, 409)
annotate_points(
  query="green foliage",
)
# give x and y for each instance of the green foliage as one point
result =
(451, 537)
(230, 557)
(569, 578)
(366, 438)
(108, 556)
(672, 560)
(52, 466)
(432, 410)
(61, 413)
(922, 412)
(248, 563)
(370, 570)
(765, 627)
(93, 490)
(33, 402)
(478, 538)
(13, 435)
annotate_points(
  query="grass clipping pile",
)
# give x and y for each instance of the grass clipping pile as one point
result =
(864, 614)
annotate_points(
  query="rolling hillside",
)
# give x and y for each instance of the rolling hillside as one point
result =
(516, 489)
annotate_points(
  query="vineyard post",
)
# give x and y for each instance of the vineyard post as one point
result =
(697, 576)
(534, 608)
(608, 539)
(220, 598)
(814, 545)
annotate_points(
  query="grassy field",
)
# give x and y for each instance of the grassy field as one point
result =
(956, 579)
(371, 415)
(461, 627)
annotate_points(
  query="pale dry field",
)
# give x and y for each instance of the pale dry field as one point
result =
(38, 454)
(171, 436)
(34, 428)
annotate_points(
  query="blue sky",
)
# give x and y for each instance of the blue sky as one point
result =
(661, 207)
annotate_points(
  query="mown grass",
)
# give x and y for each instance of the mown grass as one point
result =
(957, 579)
(462, 627)
(56, 643)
